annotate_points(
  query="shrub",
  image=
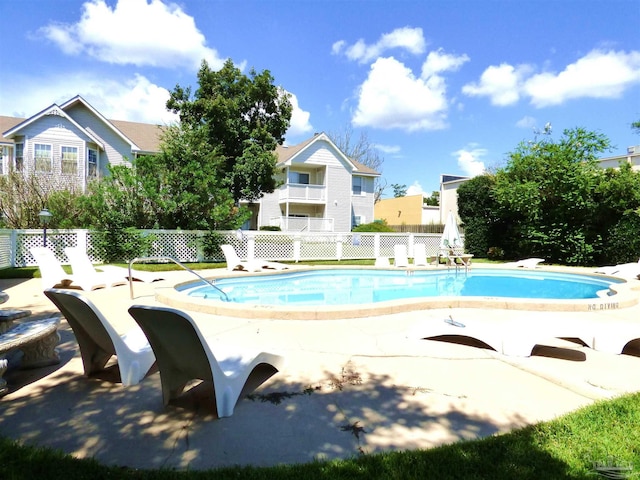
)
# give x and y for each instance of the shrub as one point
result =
(495, 253)
(122, 244)
(623, 245)
(210, 244)
(377, 226)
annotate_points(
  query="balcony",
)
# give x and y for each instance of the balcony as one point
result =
(302, 193)
(302, 224)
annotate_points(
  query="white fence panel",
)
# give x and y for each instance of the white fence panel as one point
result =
(186, 246)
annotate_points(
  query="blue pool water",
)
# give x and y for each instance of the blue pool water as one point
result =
(363, 286)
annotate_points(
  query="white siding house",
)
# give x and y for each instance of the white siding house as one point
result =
(322, 190)
(73, 143)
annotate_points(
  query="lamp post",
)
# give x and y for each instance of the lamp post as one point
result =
(45, 217)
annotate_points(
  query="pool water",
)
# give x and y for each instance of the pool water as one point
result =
(366, 286)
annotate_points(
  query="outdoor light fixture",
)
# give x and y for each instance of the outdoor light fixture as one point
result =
(45, 217)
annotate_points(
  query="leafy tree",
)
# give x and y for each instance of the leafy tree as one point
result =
(363, 151)
(478, 210)
(623, 241)
(240, 119)
(433, 200)
(399, 190)
(546, 192)
(116, 207)
(186, 186)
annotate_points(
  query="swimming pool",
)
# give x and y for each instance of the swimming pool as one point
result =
(611, 294)
(364, 286)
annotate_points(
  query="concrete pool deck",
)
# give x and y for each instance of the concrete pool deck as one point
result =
(350, 386)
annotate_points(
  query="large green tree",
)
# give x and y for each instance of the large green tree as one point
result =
(240, 119)
(547, 193)
(478, 210)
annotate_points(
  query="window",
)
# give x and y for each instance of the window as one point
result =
(358, 220)
(92, 163)
(42, 154)
(3, 154)
(297, 177)
(69, 162)
(19, 156)
(357, 186)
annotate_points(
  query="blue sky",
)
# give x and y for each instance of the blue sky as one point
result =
(438, 86)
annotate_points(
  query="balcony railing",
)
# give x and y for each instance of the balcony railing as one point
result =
(302, 224)
(302, 192)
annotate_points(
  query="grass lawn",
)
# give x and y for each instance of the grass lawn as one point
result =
(604, 435)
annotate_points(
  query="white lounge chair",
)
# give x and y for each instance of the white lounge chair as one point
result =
(184, 354)
(419, 255)
(257, 265)
(83, 268)
(99, 341)
(53, 275)
(400, 258)
(382, 262)
(517, 340)
(526, 263)
(113, 275)
(629, 271)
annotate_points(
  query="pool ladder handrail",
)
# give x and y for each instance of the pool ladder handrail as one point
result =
(177, 262)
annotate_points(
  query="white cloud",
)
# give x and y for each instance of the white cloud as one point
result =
(526, 122)
(392, 97)
(469, 160)
(438, 61)
(388, 148)
(501, 84)
(406, 38)
(599, 74)
(415, 189)
(135, 32)
(134, 99)
(299, 119)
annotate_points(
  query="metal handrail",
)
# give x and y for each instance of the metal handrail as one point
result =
(184, 267)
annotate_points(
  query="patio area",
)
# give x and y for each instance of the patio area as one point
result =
(349, 386)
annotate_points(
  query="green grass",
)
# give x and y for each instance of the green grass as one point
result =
(606, 432)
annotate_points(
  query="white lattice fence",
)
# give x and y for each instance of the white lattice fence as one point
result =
(274, 246)
(186, 246)
(57, 240)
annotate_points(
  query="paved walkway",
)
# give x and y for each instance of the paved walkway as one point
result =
(349, 387)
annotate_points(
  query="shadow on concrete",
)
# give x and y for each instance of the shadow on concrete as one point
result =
(342, 415)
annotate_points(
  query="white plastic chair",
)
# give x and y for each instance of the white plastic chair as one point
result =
(82, 267)
(54, 275)
(419, 255)
(257, 265)
(99, 341)
(184, 354)
(400, 258)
